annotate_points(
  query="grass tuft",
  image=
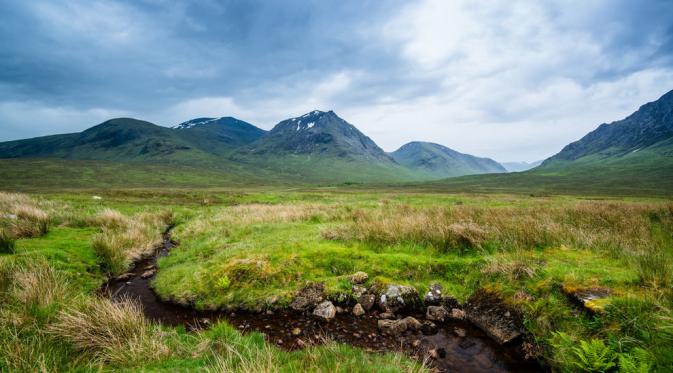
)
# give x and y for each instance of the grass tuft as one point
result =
(114, 332)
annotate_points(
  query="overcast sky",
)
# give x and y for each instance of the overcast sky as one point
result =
(511, 80)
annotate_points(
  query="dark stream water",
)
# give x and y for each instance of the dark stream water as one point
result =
(456, 346)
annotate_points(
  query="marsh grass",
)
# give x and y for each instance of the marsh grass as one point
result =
(113, 332)
(21, 217)
(620, 227)
(126, 239)
(39, 286)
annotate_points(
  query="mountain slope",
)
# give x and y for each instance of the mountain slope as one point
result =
(651, 124)
(633, 156)
(218, 135)
(438, 161)
(322, 146)
(115, 139)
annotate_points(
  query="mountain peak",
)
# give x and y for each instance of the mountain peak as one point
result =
(194, 122)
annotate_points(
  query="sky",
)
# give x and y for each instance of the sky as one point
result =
(507, 79)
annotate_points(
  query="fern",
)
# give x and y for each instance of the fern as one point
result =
(594, 356)
(637, 361)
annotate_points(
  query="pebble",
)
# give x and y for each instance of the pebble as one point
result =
(296, 331)
(459, 332)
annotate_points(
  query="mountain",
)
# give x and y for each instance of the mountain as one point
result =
(322, 146)
(115, 139)
(520, 166)
(439, 162)
(218, 135)
(648, 128)
(633, 156)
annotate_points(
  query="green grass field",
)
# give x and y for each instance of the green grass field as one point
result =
(243, 248)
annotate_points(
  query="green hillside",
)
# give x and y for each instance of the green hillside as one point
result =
(438, 162)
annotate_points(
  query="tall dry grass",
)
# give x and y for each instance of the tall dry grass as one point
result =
(126, 239)
(21, 216)
(623, 227)
(39, 285)
(242, 215)
(110, 332)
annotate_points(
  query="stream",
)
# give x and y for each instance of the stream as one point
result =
(455, 345)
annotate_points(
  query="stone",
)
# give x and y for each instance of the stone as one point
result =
(434, 295)
(397, 327)
(296, 331)
(487, 312)
(149, 273)
(308, 297)
(589, 298)
(367, 301)
(387, 315)
(437, 313)
(358, 310)
(126, 276)
(358, 291)
(325, 311)
(398, 297)
(358, 277)
(340, 310)
(460, 332)
(457, 314)
(416, 343)
(300, 343)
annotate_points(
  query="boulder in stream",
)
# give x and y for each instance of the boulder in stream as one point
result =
(397, 327)
(487, 311)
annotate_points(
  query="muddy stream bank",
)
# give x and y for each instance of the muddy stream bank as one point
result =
(452, 345)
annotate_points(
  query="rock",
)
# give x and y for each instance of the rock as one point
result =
(396, 327)
(460, 332)
(457, 314)
(358, 310)
(125, 276)
(325, 311)
(308, 297)
(149, 273)
(296, 331)
(450, 302)
(429, 328)
(358, 277)
(269, 312)
(398, 297)
(340, 310)
(358, 291)
(387, 315)
(436, 313)
(416, 343)
(434, 295)
(151, 266)
(300, 343)
(488, 312)
(432, 353)
(589, 298)
(367, 301)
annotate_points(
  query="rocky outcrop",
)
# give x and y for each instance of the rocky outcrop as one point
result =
(488, 313)
(325, 311)
(308, 297)
(396, 298)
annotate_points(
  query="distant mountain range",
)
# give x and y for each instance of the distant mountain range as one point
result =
(520, 166)
(321, 147)
(318, 146)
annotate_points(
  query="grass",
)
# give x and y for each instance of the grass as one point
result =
(248, 247)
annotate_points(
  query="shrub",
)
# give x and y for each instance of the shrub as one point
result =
(115, 332)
